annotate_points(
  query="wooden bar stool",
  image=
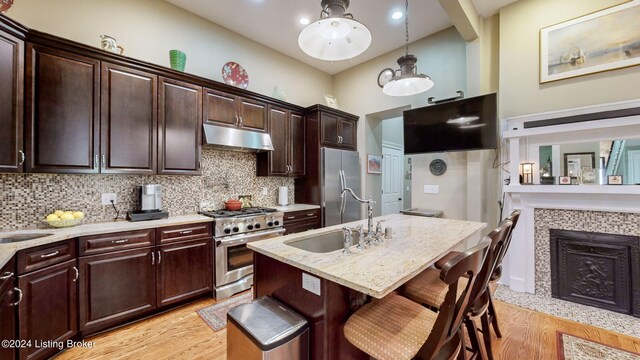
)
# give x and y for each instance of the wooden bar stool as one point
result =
(427, 290)
(397, 328)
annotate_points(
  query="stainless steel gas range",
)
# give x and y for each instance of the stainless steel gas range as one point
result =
(233, 261)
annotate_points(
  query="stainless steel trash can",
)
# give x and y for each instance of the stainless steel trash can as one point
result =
(266, 329)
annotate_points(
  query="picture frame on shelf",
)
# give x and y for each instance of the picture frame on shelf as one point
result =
(374, 164)
(593, 43)
(564, 180)
(614, 179)
(588, 176)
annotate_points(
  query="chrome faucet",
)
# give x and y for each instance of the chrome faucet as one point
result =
(370, 202)
(347, 240)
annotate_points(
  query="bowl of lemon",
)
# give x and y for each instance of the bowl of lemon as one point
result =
(62, 219)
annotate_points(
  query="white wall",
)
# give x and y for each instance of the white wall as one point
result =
(520, 89)
(148, 29)
(393, 130)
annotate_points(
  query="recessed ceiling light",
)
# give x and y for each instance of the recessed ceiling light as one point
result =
(304, 21)
(396, 15)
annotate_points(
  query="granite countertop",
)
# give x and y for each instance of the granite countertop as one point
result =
(8, 250)
(295, 207)
(416, 244)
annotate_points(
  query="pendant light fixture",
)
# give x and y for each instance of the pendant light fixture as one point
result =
(406, 80)
(336, 36)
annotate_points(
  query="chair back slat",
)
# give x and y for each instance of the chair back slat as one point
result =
(497, 273)
(453, 310)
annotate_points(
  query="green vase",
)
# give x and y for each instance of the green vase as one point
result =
(178, 59)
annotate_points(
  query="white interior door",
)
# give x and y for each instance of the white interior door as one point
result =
(392, 180)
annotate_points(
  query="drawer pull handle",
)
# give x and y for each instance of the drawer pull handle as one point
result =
(44, 256)
(186, 232)
(19, 296)
(77, 274)
(6, 275)
(123, 241)
(159, 257)
(153, 258)
(290, 217)
(311, 214)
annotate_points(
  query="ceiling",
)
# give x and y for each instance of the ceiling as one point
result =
(275, 23)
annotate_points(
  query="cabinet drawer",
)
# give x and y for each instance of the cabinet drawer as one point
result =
(300, 226)
(176, 233)
(7, 273)
(301, 215)
(45, 255)
(99, 244)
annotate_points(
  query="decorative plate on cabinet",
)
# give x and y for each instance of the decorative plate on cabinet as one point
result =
(5, 5)
(234, 74)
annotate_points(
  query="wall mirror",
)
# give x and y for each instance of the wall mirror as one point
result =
(610, 157)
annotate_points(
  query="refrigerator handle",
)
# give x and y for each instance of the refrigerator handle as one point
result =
(343, 200)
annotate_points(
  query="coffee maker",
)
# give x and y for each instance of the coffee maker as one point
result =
(148, 203)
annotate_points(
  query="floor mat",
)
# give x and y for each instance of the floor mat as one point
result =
(216, 315)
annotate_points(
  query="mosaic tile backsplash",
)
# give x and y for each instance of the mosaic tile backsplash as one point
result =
(25, 199)
(578, 220)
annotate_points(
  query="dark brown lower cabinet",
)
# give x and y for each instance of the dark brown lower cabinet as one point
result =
(8, 297)
(48, 311)
(183, 271)
(116, 287)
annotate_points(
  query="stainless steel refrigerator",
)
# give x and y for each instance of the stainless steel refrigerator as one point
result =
(335, 161)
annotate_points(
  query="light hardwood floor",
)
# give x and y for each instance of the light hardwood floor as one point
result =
(181, 334)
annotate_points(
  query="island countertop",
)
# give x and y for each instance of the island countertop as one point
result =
(417, 243)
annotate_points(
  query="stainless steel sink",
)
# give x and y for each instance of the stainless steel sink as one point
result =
(322, 243)
(21, 237)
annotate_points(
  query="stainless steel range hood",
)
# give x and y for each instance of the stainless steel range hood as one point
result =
(226, 138)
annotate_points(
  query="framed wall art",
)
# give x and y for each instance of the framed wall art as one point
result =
(601, 41)
(374, 164)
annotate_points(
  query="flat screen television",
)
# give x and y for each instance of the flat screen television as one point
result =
(467, 124)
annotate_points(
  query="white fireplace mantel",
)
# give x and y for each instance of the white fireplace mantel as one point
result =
(523, 145)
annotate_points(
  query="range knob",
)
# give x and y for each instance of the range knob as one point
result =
(257, 226)
(276, 223)
(227, 230)
(236, 229)
(270, 223)
(249, 227)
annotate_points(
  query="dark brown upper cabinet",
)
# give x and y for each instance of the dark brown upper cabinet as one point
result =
(62, 111)
(287, 130)
(129, 118)
(337, 131)
(225, 109)
(12, 156)
(179, 128)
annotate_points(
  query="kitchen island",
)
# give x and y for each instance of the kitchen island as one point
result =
(341, 282)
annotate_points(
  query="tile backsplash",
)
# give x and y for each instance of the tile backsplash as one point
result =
(25, 199)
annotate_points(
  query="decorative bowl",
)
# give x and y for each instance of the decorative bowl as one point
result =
(64, 223)
(233, 205)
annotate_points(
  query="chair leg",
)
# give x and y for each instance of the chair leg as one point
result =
(486, 334)
(476, 345)
(494, 317)
(462, 355)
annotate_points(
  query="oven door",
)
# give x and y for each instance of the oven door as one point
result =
(233, 259)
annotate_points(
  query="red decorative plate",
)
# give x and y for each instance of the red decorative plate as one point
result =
(235, 75)
(5, 5)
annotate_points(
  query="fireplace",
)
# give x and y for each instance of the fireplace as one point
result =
(596, 269)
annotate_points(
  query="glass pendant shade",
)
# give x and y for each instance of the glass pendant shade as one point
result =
(336, 37)
(408, 82)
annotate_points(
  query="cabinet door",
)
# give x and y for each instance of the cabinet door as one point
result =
(179, 128)
(220, 109)
(297, 144)
(11, 103)
(7, 317)
(278, 158)
(253, 115)
(62, 111)
(328, 129)
(49, 308)
(348, 133)
(116, 287)
(184, 271)
(128, 120)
